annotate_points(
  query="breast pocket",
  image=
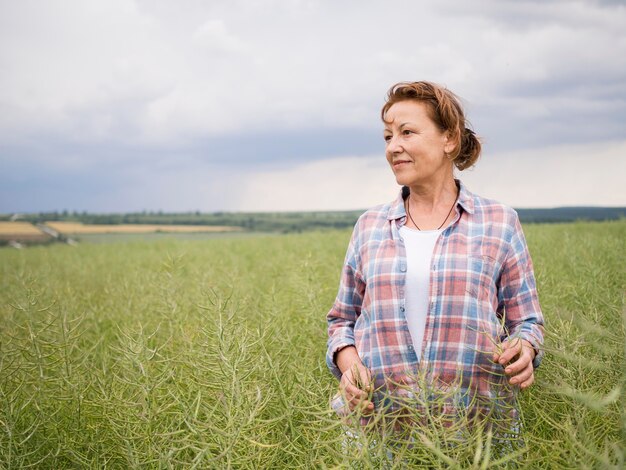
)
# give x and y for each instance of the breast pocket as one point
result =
(481, 278)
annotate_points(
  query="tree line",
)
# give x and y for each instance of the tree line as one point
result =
(290, 221)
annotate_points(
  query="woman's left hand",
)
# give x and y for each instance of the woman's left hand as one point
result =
(516, 356)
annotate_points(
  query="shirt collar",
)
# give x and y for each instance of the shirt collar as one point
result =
(465, 200)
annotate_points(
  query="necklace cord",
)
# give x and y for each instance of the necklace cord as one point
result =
(408, 211)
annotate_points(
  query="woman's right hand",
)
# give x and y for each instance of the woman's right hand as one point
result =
(356, 382)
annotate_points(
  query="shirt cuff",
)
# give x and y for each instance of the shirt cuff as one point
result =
(333, 349)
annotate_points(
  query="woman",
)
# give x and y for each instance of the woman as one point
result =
(437, 291)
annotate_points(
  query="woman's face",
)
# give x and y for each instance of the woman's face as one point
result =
(414, 145)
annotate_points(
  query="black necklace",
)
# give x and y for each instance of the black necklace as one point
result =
(408, 211)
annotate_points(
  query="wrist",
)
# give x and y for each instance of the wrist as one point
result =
(533, 351)
(345, 357)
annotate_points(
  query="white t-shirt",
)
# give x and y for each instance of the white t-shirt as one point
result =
(419, 246)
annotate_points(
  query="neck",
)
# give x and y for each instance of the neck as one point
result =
(434, 193)
(430, 206)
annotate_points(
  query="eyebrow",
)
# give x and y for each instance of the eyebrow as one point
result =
(401, 126)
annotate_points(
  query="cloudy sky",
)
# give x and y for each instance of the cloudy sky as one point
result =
(120, 105)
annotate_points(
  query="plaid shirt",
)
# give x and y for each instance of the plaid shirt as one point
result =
(482, 290)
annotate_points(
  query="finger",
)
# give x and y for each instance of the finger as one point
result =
(362, 404)
(361, 376)
(522, 362)
(352, 401)
(363, 384)
(522, 377)
(510, 349)
(353, 392)
(528, 382)
(355, 397)
(366, 406)
(498, 349)
(527, 346)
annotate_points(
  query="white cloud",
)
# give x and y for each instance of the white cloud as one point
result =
(568, 175)
(214, 35)
(168, 72)
(342, 183)
(564, 175)
(130, 79)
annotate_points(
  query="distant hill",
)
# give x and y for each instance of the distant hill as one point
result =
(294, 221)
(570, 214)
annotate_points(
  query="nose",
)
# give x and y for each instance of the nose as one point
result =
(393, 145)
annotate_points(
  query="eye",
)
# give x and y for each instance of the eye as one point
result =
(387, 137)
(407, 132)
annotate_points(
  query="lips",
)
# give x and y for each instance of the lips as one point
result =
(400, 163)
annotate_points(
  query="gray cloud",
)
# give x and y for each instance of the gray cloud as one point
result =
(99, 90)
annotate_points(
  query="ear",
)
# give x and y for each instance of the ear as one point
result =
(450, 142)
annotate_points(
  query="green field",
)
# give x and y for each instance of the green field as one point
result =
(177, 353)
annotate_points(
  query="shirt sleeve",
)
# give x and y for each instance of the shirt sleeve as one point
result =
(517, 296)
(347, 306)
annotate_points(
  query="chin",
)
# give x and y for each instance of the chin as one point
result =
(404, 181)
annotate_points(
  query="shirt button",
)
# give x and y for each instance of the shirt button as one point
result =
(410, 347)
(402, 309)
(402, 268)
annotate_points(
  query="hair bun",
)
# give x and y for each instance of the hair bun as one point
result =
(469, 151)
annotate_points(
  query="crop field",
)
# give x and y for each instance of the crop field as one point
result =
(77, 228)
(24, 231)
(210, 354)
(18, 228)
